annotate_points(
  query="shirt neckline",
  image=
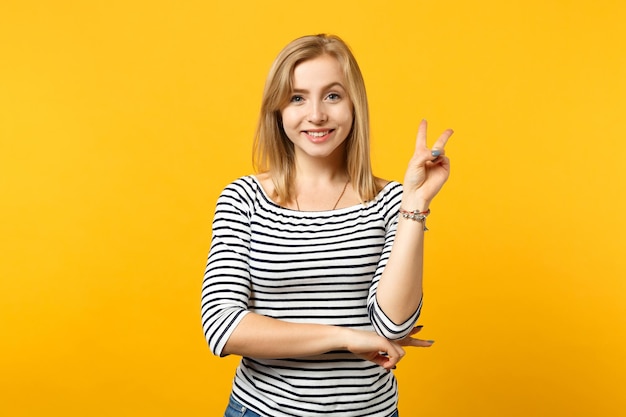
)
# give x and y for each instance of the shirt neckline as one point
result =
(348, 208)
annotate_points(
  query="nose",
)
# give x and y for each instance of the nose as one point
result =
(317, 113)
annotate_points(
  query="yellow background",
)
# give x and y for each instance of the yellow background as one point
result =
(122, 120)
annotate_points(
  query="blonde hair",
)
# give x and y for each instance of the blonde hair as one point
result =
(274, 152)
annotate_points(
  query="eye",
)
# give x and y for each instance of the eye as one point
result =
(333, 96)
(296, 99)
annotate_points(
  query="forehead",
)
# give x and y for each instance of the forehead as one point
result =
(318, 72)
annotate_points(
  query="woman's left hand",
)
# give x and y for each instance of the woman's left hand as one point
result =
(428, 168)
(412, 341)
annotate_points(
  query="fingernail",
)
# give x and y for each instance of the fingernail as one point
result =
(435, 152)
(431, 341)
(419, 327)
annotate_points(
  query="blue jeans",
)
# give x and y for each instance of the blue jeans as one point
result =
(235, 409)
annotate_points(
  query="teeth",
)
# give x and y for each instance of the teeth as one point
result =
(318, 134)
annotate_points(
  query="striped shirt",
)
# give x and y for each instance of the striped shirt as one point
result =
(303, 267)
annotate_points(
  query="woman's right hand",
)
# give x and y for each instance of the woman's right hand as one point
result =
(374, 348)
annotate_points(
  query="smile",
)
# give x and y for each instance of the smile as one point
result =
(318, 133)
(318, 136)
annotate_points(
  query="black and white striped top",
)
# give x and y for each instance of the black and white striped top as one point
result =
(306, 267)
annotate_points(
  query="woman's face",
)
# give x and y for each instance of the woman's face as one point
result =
(318, 117)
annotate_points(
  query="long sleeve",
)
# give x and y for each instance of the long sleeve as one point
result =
(226, 284)
(382, 324)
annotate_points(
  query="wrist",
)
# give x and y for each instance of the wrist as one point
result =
(415, 204)
(344, 337)
(416, 216)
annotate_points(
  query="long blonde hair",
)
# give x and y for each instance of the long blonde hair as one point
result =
(274, 152)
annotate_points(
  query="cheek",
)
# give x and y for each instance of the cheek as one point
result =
(289, 124)
(288, 117)
(348, 116)
(346, 109)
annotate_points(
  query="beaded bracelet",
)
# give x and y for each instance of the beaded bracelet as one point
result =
(418, 216)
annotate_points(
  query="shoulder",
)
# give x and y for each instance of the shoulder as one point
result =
(387, 201)
(380, 183)
(264, 180)
(387, 187)
(240, 193)
(250, 191)
(241, 186)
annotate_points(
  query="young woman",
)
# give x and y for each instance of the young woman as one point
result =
(314, 275)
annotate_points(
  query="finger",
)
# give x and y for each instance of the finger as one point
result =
(394, 355)
(418, 342)
(420, 142)
(440, 160)
(415, 330)
(436, 153)
(440, 144)
(385, 361)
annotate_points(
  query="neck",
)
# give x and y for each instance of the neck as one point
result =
(320, 172)
(320, 186)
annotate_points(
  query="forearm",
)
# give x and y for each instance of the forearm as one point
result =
(400, 288)
(264, 337)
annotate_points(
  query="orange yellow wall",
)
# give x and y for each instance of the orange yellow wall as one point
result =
(121, 121)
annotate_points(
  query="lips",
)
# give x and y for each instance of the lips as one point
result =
(318, 136)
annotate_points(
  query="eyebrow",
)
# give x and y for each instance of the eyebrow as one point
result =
(327, 87)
